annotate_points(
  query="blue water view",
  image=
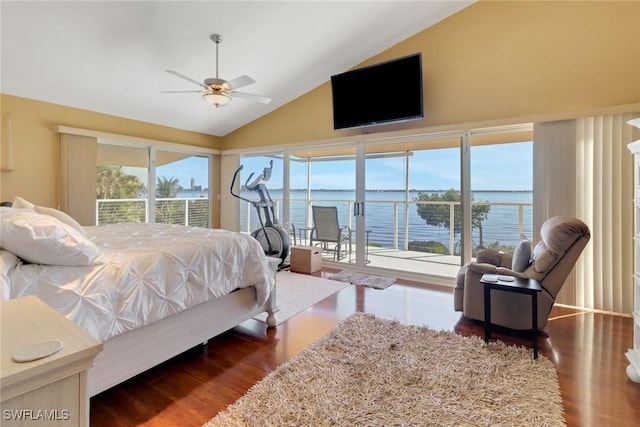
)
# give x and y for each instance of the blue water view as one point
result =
(510, 215)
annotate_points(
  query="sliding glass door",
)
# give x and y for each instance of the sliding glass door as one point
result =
(324, 178)
(412, 210)
(418, 207)
(502, 193)
(182, 189)
(122, 181)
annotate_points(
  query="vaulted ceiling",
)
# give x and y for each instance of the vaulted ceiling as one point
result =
(111, 57)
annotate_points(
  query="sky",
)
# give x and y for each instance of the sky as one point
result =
(493, 167)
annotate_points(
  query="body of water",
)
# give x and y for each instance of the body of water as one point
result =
(384, 208)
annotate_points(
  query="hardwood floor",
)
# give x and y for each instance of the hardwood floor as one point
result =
(586, 347)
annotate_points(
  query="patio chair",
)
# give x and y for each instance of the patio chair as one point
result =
(552, 259)
(327, 233)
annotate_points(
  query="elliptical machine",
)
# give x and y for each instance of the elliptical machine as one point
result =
(272, 237)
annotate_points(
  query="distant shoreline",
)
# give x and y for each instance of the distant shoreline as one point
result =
(412, 190)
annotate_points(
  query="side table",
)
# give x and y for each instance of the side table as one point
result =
(518, 285)
(51, 390)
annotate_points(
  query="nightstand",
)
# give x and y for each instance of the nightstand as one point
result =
(51, 390)
(511, 284)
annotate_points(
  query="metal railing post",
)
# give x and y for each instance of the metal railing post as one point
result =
(452, 227)
(395, 226)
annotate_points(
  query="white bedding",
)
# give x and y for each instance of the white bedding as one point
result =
(146, 272)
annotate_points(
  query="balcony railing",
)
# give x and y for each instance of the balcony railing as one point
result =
(392, 224)
(391, 227)
(183, 211)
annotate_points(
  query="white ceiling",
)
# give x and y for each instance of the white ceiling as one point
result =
(111, 57)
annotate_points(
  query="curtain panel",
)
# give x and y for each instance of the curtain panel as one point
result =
(554, 183)
(605, 202)
(582, 168)
(77, 197)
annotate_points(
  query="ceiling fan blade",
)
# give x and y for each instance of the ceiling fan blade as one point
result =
(189, 79)
(239, 82)
(251, 97)
(181, 91)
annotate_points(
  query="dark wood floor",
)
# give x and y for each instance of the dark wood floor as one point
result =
(587, 348)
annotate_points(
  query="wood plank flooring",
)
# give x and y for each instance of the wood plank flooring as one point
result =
(586, 347)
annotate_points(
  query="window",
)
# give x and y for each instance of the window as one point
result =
(252, 166)
(130, 189)
(502, 194)
(416, 192)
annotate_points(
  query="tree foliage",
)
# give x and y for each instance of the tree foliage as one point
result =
(169, 211)
(112, 183)
(167, 187)
(437, 213)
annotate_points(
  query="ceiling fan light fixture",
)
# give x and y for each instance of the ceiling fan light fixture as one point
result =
(218, 99)
(218, 91)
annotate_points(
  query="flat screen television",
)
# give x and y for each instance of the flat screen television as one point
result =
(387, 92)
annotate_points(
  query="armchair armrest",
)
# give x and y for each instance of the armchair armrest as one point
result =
(494, 257)
(486, 268)
(483, 268)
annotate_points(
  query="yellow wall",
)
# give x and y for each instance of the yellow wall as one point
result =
(35, 144)
(491, 61)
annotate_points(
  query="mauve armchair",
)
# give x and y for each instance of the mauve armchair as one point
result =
(562, 241)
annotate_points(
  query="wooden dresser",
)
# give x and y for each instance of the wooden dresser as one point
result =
(51, 390)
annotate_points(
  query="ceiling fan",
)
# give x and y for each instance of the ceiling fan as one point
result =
(217, 91)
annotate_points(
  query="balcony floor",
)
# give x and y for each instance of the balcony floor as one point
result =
(413, 265)
(415, 262)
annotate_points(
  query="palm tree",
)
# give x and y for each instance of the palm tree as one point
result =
(167, 187)
(113, 184)
(169, 211)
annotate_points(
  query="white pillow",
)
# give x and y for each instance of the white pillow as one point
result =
(20, 203)
(42, 239)
(8, 262)
(521, 256)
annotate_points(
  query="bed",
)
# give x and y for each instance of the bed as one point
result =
(147, 291)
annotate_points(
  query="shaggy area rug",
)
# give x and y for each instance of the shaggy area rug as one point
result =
(373, 372)
(370, 280)
(297, 292)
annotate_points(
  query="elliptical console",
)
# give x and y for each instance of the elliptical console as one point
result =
(272, 237)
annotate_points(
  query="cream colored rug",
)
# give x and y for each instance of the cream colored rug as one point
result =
(373, 372)
(370, 280)
(297, 292)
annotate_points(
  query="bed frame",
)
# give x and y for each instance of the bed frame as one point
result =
(127, 355)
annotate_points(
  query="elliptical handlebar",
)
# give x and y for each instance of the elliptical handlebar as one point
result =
(260, 179)
(233, 183)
